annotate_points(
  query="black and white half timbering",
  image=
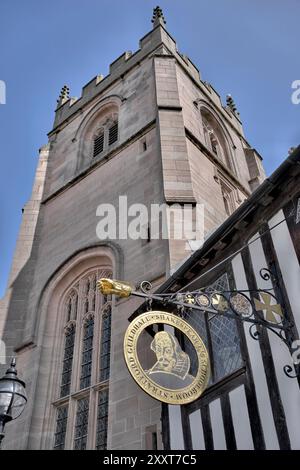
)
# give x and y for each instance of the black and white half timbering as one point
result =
(250, 403)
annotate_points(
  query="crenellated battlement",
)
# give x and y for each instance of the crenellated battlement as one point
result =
(119, 62)
(157, 42)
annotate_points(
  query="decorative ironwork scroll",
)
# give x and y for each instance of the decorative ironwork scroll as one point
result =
(260, 308)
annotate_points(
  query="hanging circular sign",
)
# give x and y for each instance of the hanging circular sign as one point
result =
(159, 365)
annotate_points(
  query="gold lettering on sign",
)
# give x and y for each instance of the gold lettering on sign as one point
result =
(169, 379)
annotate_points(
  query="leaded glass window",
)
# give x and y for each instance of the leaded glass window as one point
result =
(87, 328)
(105, 345)
(81, 425)
(61, 427)
(87, 353)
(220, 335)
(68, 360)
(102, 417)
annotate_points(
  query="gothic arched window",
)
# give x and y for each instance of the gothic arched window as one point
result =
(98, 132)
(84, 389)
(214, 138)
(106, 134)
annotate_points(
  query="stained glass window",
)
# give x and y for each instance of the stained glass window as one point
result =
(67, 362)
(105, 345)
(102, 417)
(81, 425)
(61, 427)
(87, 353)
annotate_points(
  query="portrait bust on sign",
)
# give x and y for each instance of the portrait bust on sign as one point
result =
(171, 369)
(157, 362)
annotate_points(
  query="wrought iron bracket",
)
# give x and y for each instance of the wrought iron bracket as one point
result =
(259, 308)
(254, 307)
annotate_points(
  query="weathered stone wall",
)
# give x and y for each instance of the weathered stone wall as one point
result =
(67, 225)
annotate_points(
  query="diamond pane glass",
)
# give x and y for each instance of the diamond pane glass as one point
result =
(225, 345)
(224, 337)
(196, 320)
(221, 339)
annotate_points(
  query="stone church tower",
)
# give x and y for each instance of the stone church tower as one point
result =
(151, 130)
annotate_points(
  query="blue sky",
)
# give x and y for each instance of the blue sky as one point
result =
(249, 48)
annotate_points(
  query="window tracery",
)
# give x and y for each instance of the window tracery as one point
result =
(214, 138)
(86, 335)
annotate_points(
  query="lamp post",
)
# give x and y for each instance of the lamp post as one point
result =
(12, 397)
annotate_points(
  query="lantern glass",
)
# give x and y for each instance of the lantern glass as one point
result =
(12, 398)
(5, 399)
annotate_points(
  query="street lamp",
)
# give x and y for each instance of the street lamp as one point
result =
(12, 397)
